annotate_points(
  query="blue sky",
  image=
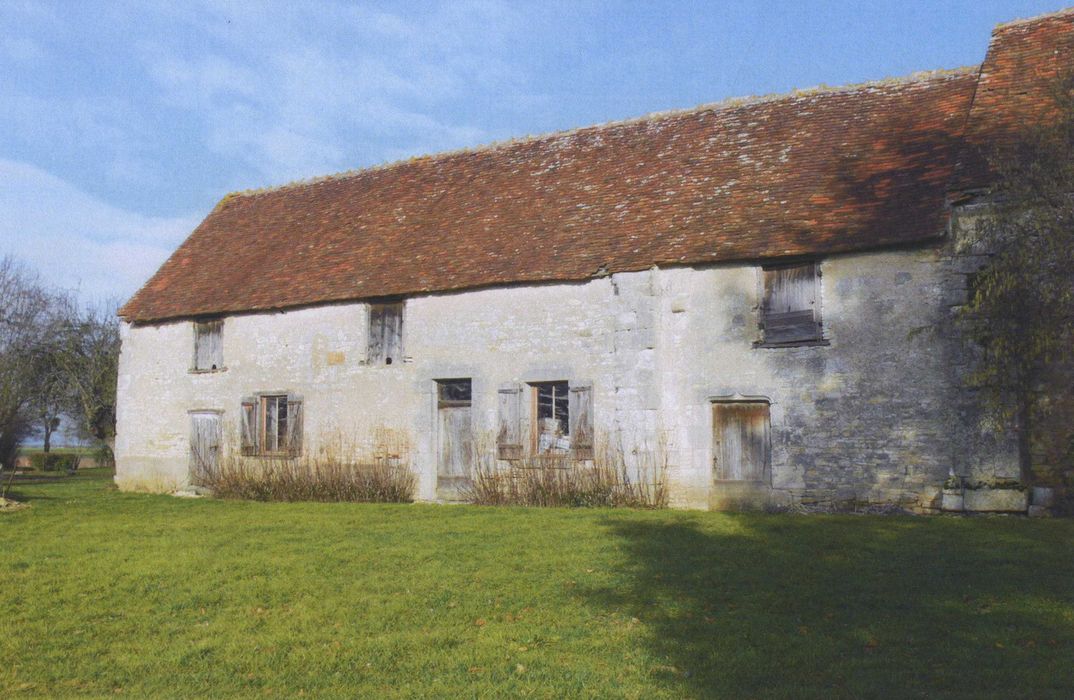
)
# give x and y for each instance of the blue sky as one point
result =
(123, 123)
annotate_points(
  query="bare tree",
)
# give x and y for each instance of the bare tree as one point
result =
(24, 318)
(88, 360)
(57, 359)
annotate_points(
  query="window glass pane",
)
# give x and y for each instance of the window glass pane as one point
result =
(553, 416)
(455, 389)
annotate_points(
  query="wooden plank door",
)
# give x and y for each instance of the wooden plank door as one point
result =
(455, 437)
(740, 441)
(205, 436)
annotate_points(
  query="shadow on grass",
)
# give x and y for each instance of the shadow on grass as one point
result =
(781, 606)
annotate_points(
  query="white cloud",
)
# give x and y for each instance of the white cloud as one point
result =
(78, 242)
(293, 91)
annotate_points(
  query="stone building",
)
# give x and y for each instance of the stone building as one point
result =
(763, 291)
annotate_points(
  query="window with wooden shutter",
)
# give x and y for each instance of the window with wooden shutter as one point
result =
(740, 440)
(581, 419)
(208, 346)
(509, 435)
(248, 418)
(385, 341)
(790, 311)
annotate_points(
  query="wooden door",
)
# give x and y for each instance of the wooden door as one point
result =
(740, 441)
(455, 437)
(204, 445)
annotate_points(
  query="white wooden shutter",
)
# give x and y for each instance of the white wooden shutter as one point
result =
(248, 419)
(509, 436)
(581, 416)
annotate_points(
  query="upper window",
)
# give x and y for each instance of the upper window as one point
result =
(790, 312)
(385, 345)
(208, 345)
(272, 425)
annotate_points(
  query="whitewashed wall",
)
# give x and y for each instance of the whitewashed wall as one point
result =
(875, 415)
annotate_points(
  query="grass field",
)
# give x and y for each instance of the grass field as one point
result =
(103, 593)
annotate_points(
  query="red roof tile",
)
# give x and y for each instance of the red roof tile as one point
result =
(804, 174)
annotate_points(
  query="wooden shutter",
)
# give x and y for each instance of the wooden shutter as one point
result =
(248, 418)
(375, 344)
(208, 345)
(294, 426)
(393, 333)
(385, 345)
(509, 436)
(216, 344)
(581, 419)
(740, 441)
(790, 311)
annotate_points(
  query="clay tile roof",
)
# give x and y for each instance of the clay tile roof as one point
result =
(1026, 61)
(810, 173)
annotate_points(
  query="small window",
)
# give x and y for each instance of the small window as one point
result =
(272, 425)
(790, 312)
(208, 346)
(385, 346)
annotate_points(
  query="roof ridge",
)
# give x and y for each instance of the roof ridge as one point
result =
(1029, 20)
(719, 105)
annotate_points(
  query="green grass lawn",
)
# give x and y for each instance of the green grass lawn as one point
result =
(103, 593)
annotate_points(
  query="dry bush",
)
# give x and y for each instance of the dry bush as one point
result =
(334, 473)
(614, 478)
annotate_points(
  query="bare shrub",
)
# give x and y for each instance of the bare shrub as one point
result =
(333, 473)
(614, 478)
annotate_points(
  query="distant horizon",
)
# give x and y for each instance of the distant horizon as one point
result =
(128, 122)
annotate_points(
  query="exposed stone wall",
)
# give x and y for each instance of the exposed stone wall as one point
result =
(876, 415)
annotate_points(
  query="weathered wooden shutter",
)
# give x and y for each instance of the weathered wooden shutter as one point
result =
(216, 344)
(509, 436)
(208, 345)
(385, 344)
(375, 343)
(294, 426)
(581, 419)
(393, 333)
(248, 419)
(790, 311)
(740, 436)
